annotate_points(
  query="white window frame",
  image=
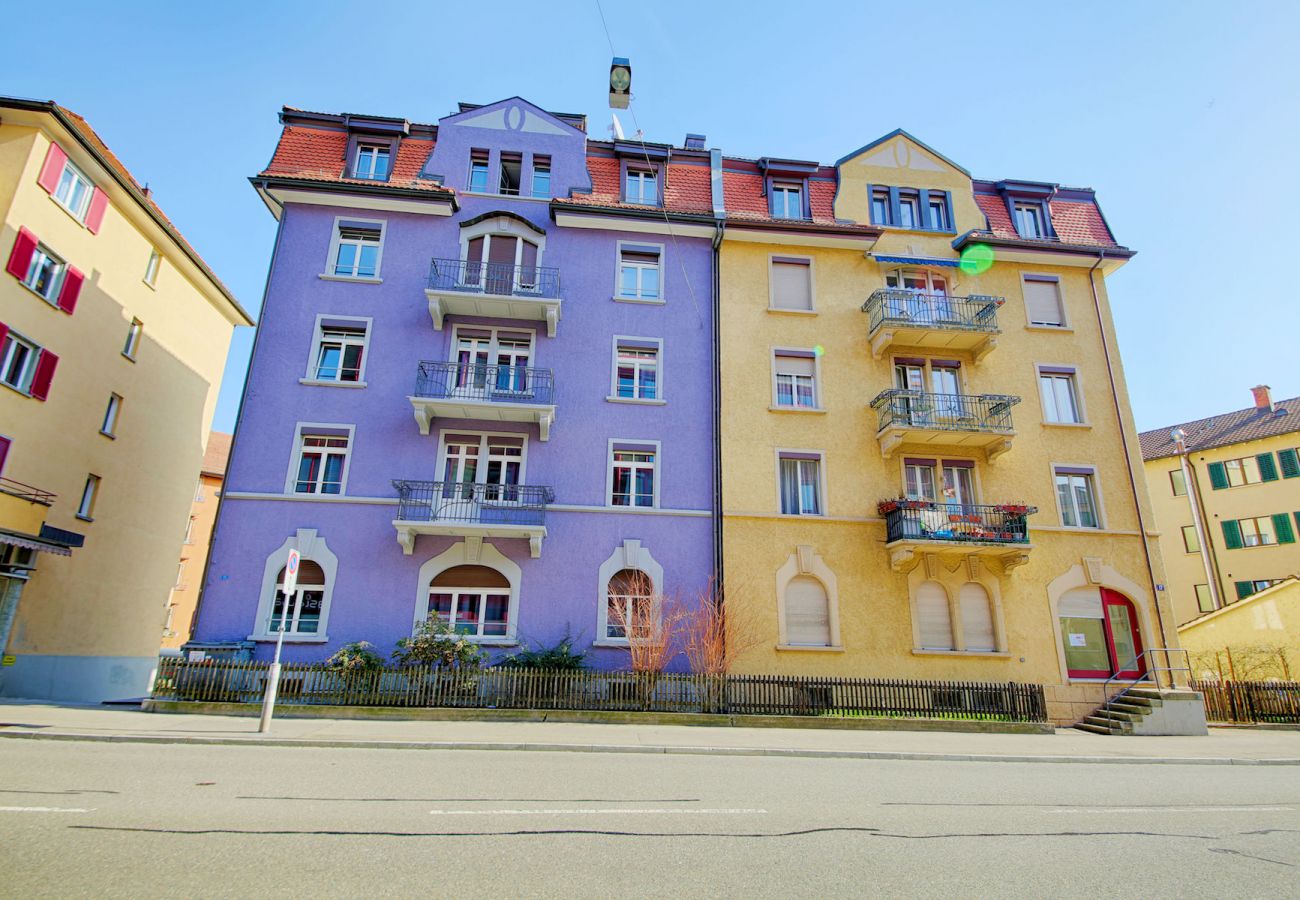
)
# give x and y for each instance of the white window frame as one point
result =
(511, 156)
(111, 415)
(318, 337)
(459, 554)
(803, 352)
(376, 146)
(7, 349)
(189, 530)
(633, 445)
(484, 439)
(89, 497)
(774, 259)
(78, 175)
(319, 429)
(1066, 324)
(1076, 389)
(628, 555)
(1033, 210)
(787, 188)
(153, 267)
(634, 342)
(805, 455)
(1096, 496)
(331, 257)
(534, 166)
(938, 470)
(618, 273)
(910, 198)
(494, 342)
(312, 547)
(487, 172)
(42, 254)
(502, 226)
(643, 176)
(133, 336)
(806, 561)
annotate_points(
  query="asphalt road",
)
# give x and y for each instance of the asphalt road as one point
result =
(96, 819)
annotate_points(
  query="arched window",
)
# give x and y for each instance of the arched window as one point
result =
(502, 263)
(976, 618)
(305, 612)
(473, 600)
(933, 616)
(630, 610)
(807, 613)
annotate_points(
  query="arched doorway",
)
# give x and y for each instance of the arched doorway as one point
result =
(1100, 634)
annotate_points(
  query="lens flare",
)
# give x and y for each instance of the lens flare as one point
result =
(976, 259)
(818, 350)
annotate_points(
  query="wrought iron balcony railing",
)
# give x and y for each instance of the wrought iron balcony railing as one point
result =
(473, 381)
(899, 408)
(465, 276)
(472, 503)
(899, 308)
(926, 520)
(26, 492)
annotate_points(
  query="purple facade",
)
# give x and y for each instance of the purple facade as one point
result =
(480, 549)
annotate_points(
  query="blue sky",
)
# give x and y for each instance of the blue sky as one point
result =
(1182, 115)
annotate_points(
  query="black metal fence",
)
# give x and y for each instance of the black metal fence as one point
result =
(1251, 701)
(501, 688)
(475, 381)
(944, 412)
(480, 504)
(467, 276)
(913, 309)
(929, 521)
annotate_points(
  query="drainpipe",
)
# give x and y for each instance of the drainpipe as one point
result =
(1193, 498)
(1123, 437)
(717, 412)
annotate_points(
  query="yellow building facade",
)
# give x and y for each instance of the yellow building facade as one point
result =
(1241, 472)
(115, 335)
(928, 458)
(1253, 639)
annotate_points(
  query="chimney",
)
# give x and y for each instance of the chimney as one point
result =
(1263, 399)
(694, 142)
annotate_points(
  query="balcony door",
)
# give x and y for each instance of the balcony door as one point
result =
(501, 263)
(489, 362)
(929, 301)
(947, 483)
(934, 377)
(479, 471)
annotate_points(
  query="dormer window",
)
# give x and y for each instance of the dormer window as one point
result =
(1029, 220)
(478, 171)
(512, 174)
(541, 176)
(939, 213)
(880, 206)
(372, 162)
(642, 187)
(909, 210)
(787, 201)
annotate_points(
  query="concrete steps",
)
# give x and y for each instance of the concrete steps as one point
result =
(1148, 710)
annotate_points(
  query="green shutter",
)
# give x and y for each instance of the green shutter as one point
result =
(1290, 463)
(1245, 589)
(1218, 476)
(1232, 534)
(1267, 470)
(1282, 528)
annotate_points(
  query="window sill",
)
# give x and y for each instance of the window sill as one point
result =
(636, 401)
(987, 654)
(1082, 529)
(1067, 425)
(80, 220)
(899, 229)
(16, 390)
(52, 304)
(1063, 329)
(290, 638)
(496, 196)
(492, 642)
(356, 279)
(644, 301)
(791, 312)
(799, 648)
(632, 509)
(314, 382)
(815, 410)
(612, 644)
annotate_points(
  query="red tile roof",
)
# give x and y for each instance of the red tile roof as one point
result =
(746, 201)
(686, 190)
(1249, 424)
(1075, 221)
(320, 154)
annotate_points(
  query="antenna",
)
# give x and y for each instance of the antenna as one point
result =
(617, 127)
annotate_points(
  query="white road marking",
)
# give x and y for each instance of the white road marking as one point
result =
(1176, 809)
(40, 809)
(596, 812)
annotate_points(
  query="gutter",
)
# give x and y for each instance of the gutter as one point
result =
(348, 187)
(718, 561)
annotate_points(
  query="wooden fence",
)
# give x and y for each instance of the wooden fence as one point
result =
(244, 682)
(1251, 701)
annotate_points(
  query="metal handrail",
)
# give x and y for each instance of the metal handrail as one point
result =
(472, 502)
(27, 492)
(1151, 668)
(468, 276)
(944, 412)
(916, 309)
(929, 520)
(440, 380)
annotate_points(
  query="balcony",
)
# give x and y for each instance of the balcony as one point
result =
(455, 390)
(944, 421)
(903, 318)
(494, 290)
(23, 507)
(915, 529)
(464, 509)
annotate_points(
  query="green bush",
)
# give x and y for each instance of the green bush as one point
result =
(436, 644)
(561, 657)
(356, 658)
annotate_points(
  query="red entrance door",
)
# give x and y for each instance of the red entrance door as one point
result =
(1123, 638)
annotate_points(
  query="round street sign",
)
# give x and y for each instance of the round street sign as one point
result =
(291, 572)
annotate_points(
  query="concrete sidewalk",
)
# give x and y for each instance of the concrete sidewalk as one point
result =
(1223, 746)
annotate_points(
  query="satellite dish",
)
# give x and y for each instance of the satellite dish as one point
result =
(617, 126)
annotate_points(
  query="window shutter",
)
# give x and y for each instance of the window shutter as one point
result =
(44, 375)
(1244, 589)
(1232, 535)
(795, 365)
(1290, 463)
(976, 618)
(4, 452)
(807, 613)
(1043, 300)
(933, 617)
(1218, 476)
(21, 257)
(1267, 469)
(71, 290)
(4, 330)
(95, 214)
(53, 168)
(1282, 528)
(791, 285)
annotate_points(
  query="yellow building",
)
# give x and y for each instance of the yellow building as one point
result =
(1241, 471)
(1253, 639)
(928, 456)
(113, 337)
(184, 597)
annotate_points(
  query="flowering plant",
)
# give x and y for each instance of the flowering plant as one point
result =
(435, 643)
(356, 658)
(1015, 509)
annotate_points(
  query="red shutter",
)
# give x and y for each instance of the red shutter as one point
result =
(21, 257)
(44, 375)
(4, 452)
(4, 330)
(71, 290)
(95, 215)
(53, 168)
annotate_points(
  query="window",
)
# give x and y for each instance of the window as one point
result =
(356, 250)
(909, 210)
(1190, 542)
(189, 530)
(636, 370)
(180, 577)
(1289, 460)
(796, 380)
(304, 613)
(322, 462)
(493, 460)
(630, 612)
(1029, 220)
(640, 271)
(472, 600)
(89, 493)
(1043, 302)
(787, 201)
(791, 283)
(133, 335)
(1178, 483)
(151, 269)
(1060, 398)
(933, 617)
(939, 480)
(45, 273)
(501, 263)
(938, 209)
(74, 191)
(1251, 588)
(110, 415)
(18, 359)
(632, 476)
(479, 349)
(642, 187)
(1257, 532)
(340, 351)
(880, 206)
(478, 171)
(1242, 471)
(199, 496)
(937, 376)
(807, 613)
(512, 173)
(372, 162)
(541, 176)
(976, 618)
(801, 488)
(1075, 492)
(1204, 599)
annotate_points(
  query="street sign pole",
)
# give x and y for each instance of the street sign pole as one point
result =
(273, 676)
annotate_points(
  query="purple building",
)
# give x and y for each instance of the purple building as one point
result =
(482, 385)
